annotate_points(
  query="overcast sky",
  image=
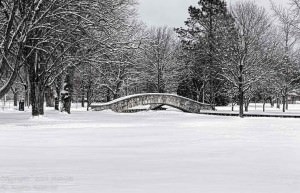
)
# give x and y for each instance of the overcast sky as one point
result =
(174, 12)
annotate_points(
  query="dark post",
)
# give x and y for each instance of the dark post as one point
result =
(21, 105)
(56, 104)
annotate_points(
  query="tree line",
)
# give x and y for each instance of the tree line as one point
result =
(240, 54)
(98, 50)
(51, 50)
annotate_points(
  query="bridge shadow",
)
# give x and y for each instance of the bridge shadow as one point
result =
(162, 107)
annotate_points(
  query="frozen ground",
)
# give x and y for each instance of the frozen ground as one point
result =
(293, 109)
(147, 152)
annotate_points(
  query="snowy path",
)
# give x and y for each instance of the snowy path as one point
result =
(148, 152)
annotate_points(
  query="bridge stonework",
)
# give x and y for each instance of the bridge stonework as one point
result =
(125, 103)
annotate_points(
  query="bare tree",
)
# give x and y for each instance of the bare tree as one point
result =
(157, 66)
(112, 55)
(287, 72)
(13, 34)
(253, 50)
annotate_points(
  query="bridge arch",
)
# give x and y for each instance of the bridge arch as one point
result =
(127, 102)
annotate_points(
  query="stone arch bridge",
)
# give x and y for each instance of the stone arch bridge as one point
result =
(155, 100)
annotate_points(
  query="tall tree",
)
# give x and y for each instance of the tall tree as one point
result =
(253, 50)
(112, 55)
(287, 71)
(159, 61)
(12, 37)
(205, 36)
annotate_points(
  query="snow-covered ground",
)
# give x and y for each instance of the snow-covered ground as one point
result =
(147, 152)
(293, 109)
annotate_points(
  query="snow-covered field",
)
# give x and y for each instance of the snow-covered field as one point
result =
(147, 152)
(293, 109)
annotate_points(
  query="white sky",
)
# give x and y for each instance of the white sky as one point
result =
(174, 12)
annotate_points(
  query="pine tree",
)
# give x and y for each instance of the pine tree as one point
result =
(208, 29)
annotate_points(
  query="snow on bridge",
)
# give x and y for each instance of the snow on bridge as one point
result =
(127, 102)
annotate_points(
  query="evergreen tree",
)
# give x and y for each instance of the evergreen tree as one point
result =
(207, 36)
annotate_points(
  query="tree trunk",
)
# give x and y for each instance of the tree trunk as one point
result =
(241, 91)
(68, 88)
(16, 97)
(36, 76)
(27, 95)
(271, 102)
(89, 94)
(108, 96)
(56, 99)
(27, 87)
(82, 99)
(58, 88)
(211, 57)
(89, 99)
(264, 105)
(49, 97)
(213, 98)
(41, 96)
(198, 95)
(56, 103)
(67, 105)
(278, 103)
(36, 83)
(116, 94)
(287, 103)
(37, 99)
(247, 105)
(7, 86)
(82, 93)
(283, 103)
(241, 101)
(203, 93)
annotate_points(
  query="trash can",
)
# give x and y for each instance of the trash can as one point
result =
(21, 105)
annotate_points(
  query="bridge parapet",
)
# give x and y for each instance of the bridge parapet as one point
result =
(125, 103)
